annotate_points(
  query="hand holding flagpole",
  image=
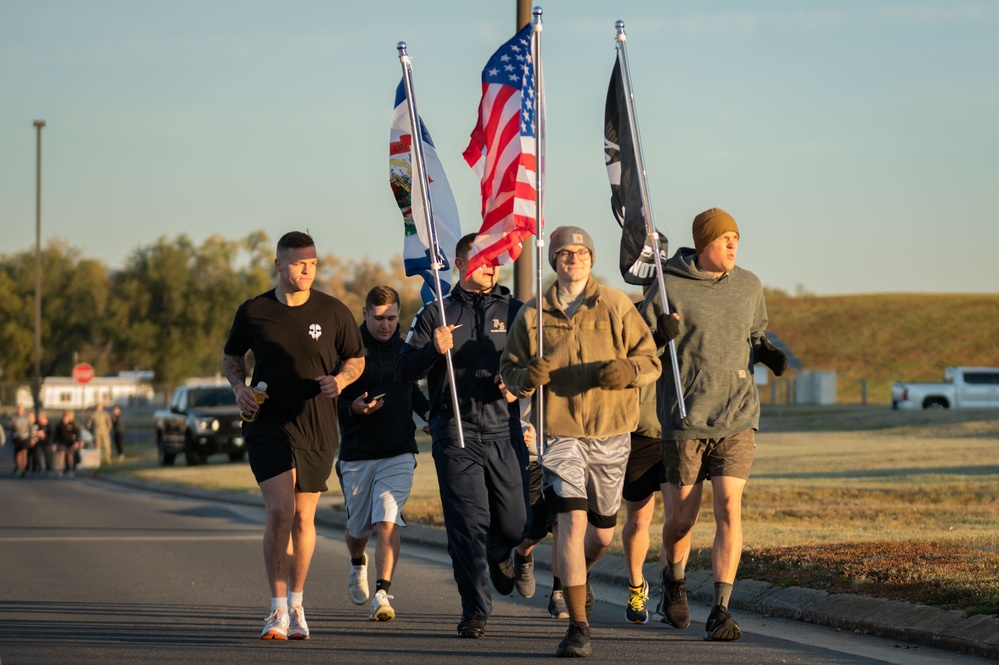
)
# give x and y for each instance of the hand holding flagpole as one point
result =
(420, 179)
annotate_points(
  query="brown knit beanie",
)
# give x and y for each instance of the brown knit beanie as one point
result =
(710, 225)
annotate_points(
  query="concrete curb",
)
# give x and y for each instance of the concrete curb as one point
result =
(915, 624)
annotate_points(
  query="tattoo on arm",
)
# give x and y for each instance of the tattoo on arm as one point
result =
(352, 369)
(234, 368)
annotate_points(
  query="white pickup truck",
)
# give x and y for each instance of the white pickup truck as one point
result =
(962, 388)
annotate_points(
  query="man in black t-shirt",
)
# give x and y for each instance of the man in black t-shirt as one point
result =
(307, 348)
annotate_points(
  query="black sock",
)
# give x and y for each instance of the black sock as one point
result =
(521, 559)
(357, 562)
(556, 584)
(382, 585)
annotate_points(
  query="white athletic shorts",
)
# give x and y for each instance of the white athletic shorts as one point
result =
(375, 491)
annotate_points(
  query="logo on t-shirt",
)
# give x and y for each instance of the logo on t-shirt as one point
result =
(315, 331)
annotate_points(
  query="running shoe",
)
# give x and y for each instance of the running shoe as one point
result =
(556, 605)
(381, 610)
(721, 627)
(357, 583)
(297, 628)
(673, 608)
(636, 612)
(576, 643)
(276, 625)
(503, 576)
(524, 572)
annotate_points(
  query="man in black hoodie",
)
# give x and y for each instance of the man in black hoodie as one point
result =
(377, 451)
(484, 484)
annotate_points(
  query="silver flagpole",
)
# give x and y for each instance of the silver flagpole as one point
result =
(420, 171)
(539, 239)
(643, 188)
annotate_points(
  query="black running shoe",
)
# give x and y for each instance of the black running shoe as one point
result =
(673, 607)
(576, 643)
(721, 627)
(471, 627)
(503, 576)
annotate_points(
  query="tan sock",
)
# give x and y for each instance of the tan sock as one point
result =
(575, 600)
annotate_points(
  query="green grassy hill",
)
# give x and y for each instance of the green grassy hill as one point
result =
(886, 337)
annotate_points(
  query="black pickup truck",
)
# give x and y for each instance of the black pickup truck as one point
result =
(202, 420)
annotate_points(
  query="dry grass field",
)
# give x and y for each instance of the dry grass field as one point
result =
(887, 337)
(846, 499)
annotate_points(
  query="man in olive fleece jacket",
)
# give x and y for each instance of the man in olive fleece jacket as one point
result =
(598, 351)
(718, 327)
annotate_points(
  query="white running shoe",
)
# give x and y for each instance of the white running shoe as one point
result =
(297, 628)
(380, 608)
(276, 626)
(357, 583)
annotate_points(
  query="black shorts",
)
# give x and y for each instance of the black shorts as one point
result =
(270, 458)
(645, 472)
(541, 517)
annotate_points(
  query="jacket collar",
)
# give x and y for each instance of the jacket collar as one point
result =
(591, 295)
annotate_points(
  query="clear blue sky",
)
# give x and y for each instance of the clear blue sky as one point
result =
(855, 142)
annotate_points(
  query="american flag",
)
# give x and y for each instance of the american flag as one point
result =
(503, 153)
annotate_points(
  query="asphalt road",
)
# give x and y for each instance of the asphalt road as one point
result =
(98, 573)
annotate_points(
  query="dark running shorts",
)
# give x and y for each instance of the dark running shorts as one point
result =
(541, 517)
(692, 461)
(270, 458)
(645, 472)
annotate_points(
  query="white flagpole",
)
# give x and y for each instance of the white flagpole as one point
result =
(420, 171)
(539, 240)
(643, 188)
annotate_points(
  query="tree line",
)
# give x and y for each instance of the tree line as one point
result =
(168, 309)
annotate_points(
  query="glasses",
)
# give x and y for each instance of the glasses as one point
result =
(580, 254)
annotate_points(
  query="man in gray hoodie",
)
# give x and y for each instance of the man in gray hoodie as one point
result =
(718, 327)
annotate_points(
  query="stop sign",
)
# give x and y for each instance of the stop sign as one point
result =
(83, 372)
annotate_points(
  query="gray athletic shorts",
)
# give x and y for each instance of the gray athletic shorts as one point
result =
(375, 491)
(586, 474)
(692, 461)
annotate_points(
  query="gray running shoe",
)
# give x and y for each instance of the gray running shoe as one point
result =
(525, 576)
(556, 605)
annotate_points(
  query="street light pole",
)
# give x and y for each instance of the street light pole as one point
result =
(38, 268)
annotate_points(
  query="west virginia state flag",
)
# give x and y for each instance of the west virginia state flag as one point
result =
(416, 244)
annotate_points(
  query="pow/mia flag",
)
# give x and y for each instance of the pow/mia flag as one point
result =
(636, 262)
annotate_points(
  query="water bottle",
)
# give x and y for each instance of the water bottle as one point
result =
(260, 395)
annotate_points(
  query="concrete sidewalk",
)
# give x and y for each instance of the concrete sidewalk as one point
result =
(915, 624)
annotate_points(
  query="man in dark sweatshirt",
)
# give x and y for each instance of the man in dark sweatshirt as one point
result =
(718, 328)
(377, 452)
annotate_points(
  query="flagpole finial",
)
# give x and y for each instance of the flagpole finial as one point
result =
(401, 48)
(536, 11)
(619, 27)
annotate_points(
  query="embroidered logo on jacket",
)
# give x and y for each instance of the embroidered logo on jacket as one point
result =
(315, 331)
(498, 326)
